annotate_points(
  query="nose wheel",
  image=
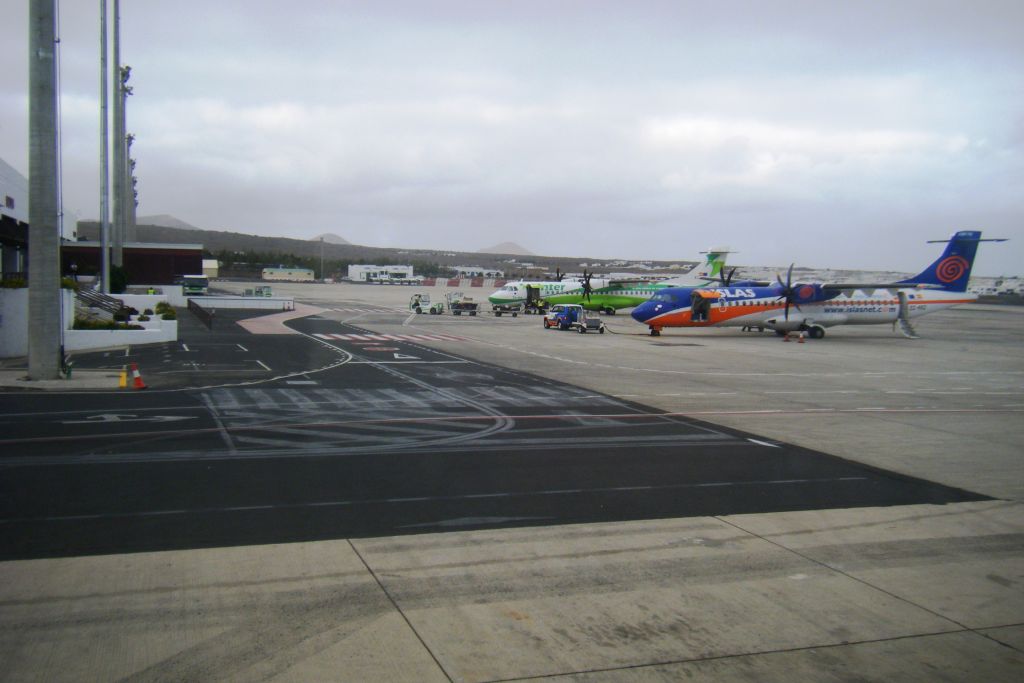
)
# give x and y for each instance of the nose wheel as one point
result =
(655, 332)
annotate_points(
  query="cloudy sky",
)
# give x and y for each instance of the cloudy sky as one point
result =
(831, 134)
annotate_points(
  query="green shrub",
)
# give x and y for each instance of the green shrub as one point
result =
(142, 318)
(14, 283)
(169, 315)
(148, 311)
(88, 324)
(163, 307)
(118, 279)
(68, 283)
(121, 316)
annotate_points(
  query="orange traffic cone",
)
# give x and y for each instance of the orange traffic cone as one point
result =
(786, 337)
(137, 382)
(801, 340)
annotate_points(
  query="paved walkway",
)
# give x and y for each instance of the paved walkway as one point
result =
(17, 378)
(274, 324)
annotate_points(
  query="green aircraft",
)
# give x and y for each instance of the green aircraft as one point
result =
(605, 294)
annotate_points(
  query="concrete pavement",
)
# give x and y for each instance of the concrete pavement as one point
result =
(926, 593)
(80, 380)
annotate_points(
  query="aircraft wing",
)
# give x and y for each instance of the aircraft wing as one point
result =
(623, 283)
(850, 286)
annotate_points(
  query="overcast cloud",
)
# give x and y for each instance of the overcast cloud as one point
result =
(830, 134)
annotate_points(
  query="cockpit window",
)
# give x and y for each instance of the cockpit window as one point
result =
(664, 297)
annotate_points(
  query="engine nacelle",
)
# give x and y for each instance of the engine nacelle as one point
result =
(794, 324)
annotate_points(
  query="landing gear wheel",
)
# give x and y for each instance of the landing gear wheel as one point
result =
(815, 332)
(655, 333)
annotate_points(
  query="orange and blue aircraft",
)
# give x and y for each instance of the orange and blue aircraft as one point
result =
(794, 307)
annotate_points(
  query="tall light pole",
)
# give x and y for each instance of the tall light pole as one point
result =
(104, 156)
(44, 304)
(117, 229)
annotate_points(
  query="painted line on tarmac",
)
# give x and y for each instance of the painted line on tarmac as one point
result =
(517, 418)
(431, 499)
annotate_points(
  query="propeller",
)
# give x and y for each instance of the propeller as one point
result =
(788, 293)
(587, 289)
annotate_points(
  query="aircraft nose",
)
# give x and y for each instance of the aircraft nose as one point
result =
(642, 312)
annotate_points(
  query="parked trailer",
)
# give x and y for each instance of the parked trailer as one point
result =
(458, 303)
(501, 309)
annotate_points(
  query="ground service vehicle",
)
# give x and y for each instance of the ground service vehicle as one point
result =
(194, 285)
(459, 303)
(563, 316)
(421, 302)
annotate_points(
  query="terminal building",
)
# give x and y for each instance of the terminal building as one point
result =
(283, 274)
(367, 273)
(476, 271)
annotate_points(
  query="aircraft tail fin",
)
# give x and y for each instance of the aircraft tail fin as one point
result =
(952, 270)
(714, 261)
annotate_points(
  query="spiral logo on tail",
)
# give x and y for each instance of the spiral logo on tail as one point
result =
(950, 269)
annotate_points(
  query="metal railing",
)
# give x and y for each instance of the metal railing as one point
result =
(21, 275)
(92, 299)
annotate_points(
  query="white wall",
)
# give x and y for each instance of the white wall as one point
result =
(265, 302)
(14, 325)
(81, 340)
(15, 186)
(13, 322)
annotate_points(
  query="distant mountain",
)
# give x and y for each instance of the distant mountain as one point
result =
(506, 248)
(164, 221)
(215, 241)
(331, 238)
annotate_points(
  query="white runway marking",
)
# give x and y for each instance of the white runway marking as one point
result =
(390, 337)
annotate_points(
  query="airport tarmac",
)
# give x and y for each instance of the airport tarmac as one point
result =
(902, 592)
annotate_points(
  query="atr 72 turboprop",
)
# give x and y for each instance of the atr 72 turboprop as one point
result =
(796, 307)
(607, 294)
